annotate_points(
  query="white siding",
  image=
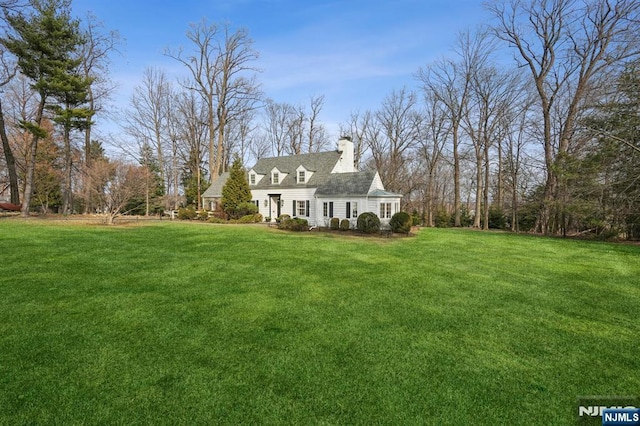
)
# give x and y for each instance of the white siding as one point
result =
(287, 196)
(340, 209)
(376, 183)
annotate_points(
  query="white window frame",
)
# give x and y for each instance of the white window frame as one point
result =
(275, 178)
(301, 176)
(252, 179)
(385, 210)
(302, 207)
(354, 209)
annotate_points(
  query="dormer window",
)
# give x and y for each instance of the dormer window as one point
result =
(301, 176)
(275, 178)
(252, 179)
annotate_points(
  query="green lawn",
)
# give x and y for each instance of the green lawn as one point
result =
(174, 323)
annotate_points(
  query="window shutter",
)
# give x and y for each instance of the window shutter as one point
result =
(307, 208)
(294, 208)
(348, 210)
(331, 209)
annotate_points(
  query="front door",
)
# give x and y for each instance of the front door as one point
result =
(274, 206)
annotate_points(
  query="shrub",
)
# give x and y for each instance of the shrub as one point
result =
(295, 224)
(188, 213)
(368, 223)
(216, 219)
(401, 223)
(299, 224)
(334, 223)
(416, 219)
(443, 219)
(497, 220)
(203, 215)
(282, 217)
(246, 209)
(345, 225)
(250, 218)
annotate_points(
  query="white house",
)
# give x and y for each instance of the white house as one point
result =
(316, 186)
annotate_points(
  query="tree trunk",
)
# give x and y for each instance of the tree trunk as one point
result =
(478, 205)
(10, 160)
(485, 223)
(456, 178)
(68, 164)
(31, 164)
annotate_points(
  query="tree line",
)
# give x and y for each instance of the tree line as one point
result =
(528, 123)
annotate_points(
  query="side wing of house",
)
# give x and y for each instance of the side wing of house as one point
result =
(211, 197)
(347, 195)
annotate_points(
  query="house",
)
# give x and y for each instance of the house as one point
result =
(212, 196)
(316, 187)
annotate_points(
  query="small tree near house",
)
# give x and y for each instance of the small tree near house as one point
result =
(236, 191)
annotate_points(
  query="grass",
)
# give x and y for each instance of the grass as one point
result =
(176, 323)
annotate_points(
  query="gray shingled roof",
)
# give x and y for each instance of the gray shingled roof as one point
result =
(357, 183)
(215, 190)
(320, 164)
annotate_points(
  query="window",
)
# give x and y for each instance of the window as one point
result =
(348, 209)
(385, 210)
(327, 209)
(252, 179)
(354, 209)
(302, 208)
(275, 178)
(301, 176)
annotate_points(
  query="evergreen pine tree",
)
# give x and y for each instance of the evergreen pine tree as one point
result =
(236, 190)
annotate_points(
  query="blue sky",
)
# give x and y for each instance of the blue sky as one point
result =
(352, 52)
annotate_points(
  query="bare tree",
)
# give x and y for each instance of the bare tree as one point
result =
(433, 137)
(95, 65)
(356, 127)
(115, 184)
(223, 75)
(400, 122)
(516, 142)
(146, 121)
(192, 134)
(317, 138)
(450, 82)
(276, 125)
(296, 118)
(569, 47)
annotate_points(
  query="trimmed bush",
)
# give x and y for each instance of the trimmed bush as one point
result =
(369, 223)
(295, 224)
(344, 225)
(188, 213)
(282, 218)
(203, 215)
(246, 209)
(401, 223)
(334, 224)
(249, 218)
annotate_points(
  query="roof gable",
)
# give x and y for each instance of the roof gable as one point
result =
(320, 163)
(215, 189)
